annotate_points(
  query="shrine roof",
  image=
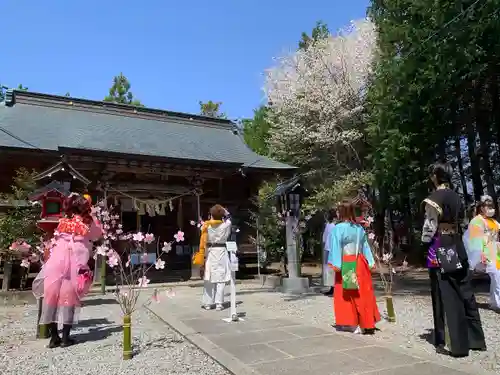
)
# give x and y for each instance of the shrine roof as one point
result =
(51, 122)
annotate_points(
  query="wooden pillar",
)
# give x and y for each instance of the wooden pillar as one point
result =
(103, 257)
(195, 270)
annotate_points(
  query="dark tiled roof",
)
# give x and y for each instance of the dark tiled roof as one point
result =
(51, 122)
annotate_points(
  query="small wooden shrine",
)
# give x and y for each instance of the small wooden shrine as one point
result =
(51, 196)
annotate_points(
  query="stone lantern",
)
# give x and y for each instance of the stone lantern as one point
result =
(289, 196)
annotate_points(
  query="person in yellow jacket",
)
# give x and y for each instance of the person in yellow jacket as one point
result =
(481, 240)
(214, 255)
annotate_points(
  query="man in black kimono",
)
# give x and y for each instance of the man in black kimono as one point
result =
(453, 301)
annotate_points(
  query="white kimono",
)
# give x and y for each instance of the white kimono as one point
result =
(328, 274)
(217, 264)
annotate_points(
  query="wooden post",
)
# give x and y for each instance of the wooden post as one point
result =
(7, 275)
(103, 257)
(103, 274)
(195, 270)
(42, 331)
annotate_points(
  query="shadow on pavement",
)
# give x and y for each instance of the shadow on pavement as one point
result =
(94, 322)
(97, 334)
(420, 285)
(428, 336)
(99, 302)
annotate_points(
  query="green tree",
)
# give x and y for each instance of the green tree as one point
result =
(320, 31)
(434, 95)
(256, 131)
(120, 92)
(5, 88)
(19, 222)
(211, 109)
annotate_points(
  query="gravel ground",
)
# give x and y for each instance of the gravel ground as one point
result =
(411, 331)
(159, 350)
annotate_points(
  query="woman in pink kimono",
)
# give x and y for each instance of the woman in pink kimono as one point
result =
(65, 277)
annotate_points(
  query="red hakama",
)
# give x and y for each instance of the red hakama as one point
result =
(356, 307)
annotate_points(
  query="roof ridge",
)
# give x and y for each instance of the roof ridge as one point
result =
(72, 103)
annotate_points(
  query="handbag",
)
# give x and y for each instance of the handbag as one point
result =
(447, 255)
(448, 259)
(348, 270)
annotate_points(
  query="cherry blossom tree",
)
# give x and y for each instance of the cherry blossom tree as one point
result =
(130, 278)
(315, 98)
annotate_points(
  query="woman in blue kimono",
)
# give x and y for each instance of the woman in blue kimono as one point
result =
(351, 258)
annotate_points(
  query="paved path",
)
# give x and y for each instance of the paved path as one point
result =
(268, 343)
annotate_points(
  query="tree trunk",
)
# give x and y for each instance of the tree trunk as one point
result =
(481, 119)
(460, 163)
(495, 102)
(477, 184)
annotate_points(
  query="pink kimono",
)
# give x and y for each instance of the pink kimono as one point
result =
(62, 281)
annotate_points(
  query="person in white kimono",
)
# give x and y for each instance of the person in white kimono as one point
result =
(327, 271)
(213, 253)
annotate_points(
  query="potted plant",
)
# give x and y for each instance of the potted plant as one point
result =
(384, 260)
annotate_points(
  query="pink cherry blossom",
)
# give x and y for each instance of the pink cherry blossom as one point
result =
(25, 263)
(149, 238)
(101, 250)
(192, 222)
(113, 261)
(371, 236)
(160, 264)
(179, 237)
(138, 237)
(22, 247)
(167, 246)
(143, 282)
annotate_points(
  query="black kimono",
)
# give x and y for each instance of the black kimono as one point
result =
(453, 301)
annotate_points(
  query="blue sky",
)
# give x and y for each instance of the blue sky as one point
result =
(174, 53)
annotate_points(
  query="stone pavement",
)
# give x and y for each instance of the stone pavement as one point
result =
(267, 343)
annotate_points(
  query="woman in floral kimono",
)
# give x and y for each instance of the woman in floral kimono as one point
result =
(352, 260)
(481, 241)
(65, 278)
(214, 234)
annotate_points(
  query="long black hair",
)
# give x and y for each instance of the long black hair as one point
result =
(332, 215)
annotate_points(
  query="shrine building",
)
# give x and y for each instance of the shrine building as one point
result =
(161, 169)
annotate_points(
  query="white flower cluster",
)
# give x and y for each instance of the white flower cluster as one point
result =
(314, 93)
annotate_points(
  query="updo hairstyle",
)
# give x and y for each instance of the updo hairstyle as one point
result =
(76, 204)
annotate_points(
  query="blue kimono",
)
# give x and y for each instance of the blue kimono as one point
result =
(342, 241)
